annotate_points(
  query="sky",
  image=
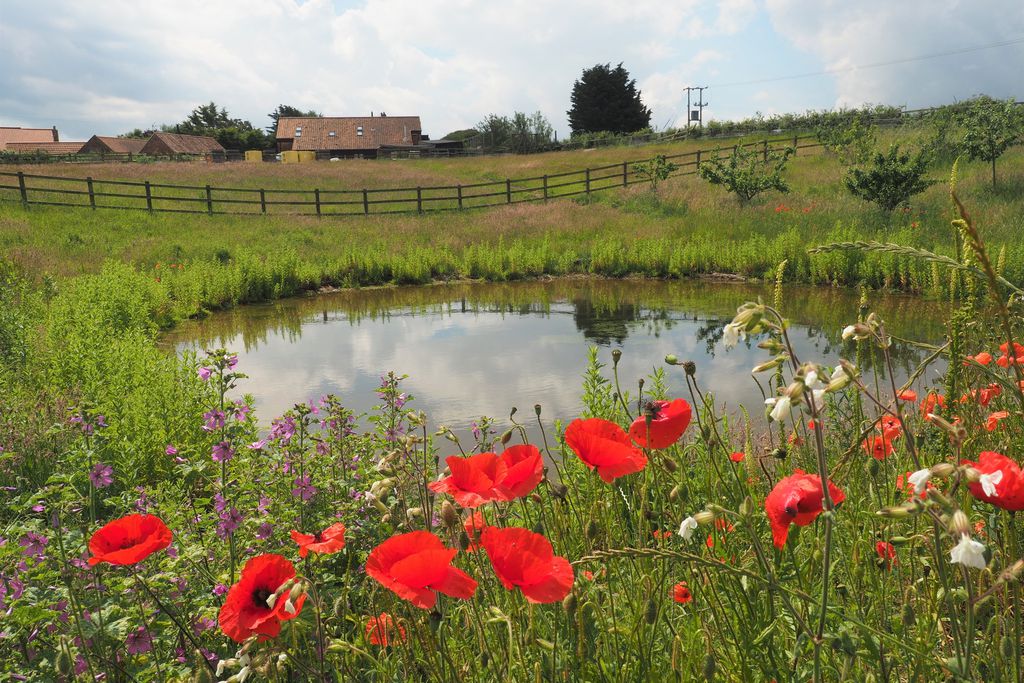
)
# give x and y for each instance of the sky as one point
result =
(107, 67)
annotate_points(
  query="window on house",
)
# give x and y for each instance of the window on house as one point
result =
(298, 131)
(359, 130)
(332, 134)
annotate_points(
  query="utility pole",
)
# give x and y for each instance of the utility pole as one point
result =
(700, 105)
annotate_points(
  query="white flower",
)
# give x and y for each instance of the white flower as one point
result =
(968, 552)
(783, 406)
(920, 480)
(687, 528)
(811, 380)
(271, 600)
(289, 606)
(988, 482)
(849, 331)
(732, 333)
(819, 397)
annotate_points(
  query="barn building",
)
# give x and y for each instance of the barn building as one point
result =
(347, 136)
(162, 144)
(99, 144)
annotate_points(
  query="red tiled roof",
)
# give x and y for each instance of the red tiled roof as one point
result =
(316, 132)
(177, 143)
(47, 147)
(10, 134)
(99, 143)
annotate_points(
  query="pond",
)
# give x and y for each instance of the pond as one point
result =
(480, 349)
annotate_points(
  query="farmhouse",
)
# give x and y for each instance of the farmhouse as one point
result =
(11, 134)
(347, 135)
(176, 143)
(99, 144)
(55, 148)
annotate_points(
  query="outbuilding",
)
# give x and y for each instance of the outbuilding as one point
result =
(163, 144)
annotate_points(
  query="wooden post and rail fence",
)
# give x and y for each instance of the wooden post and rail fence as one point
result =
(97, 193)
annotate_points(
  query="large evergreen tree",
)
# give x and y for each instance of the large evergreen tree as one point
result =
(606, 99)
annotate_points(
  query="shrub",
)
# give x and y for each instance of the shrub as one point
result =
(891, 179)
(748, 173)
(849, 139)
(991, 126)
(655, 170)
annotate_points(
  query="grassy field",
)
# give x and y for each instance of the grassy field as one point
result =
(709, 555)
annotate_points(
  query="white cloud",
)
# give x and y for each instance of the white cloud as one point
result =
(846, 34)
(450, 61)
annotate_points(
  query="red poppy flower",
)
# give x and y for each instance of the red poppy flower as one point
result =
(1006, 360)
(879, 447)
(797, 499)
(604, 445)
(811, 424)
(487, 477)
(886, 553)
(326, 542)
(129, 540)
(681, 594)
(890, 426)
(737, 456)
(525, 560)
(416, 566)
(474, 526)
(668, 422)
(246, 611)
(382, 630)
(930, 402)
(995, 418)
(1009, 489)
(907, 395)
(983, 358)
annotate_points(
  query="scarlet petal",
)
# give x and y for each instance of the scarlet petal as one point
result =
(555, 586)
(665, 429)
(456, 584)
(129, 540)
(605, 446)
(524, 471)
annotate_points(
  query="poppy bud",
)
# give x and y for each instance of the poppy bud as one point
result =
(64, 664)
(506, 437)
(705, 517)
(1008, 647)
(385, 519)
(670, 465)
(535, 497)
(780, 453)
(558, 490)
(671, 359)
(464, 541)
(942, 470)
(673, 495)
(449, 516)
(616, 355)
(434, 620)
(536, 409)
(690, 368)
(709, 667)
(484, 660)
(651, 611)
(593, 530)
(340, 607)
(746, 507)
(569, 604)
(899, 540)
(413, 513)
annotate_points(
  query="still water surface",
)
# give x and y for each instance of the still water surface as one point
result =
(479, 349)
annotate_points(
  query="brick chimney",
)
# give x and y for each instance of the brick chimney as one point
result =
(56, 137)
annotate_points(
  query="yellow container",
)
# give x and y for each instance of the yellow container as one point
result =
(289, 157)
(254, 156)
(307, 156)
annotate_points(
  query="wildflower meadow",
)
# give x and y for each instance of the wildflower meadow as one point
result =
(851, 527)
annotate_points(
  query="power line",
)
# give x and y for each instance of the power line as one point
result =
(873, 65)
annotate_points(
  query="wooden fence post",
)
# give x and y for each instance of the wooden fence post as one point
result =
(21, 186)
(149, 198)
(316, 198)
(508, 191)
(625, 176)
(209, 200)
(587, 181)
(796, 140)
(697, 167)
(545, 188)
(766, 151)
(366, 202)
(459, 189)
(263, 201)
(92, 195)
(419, 199)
